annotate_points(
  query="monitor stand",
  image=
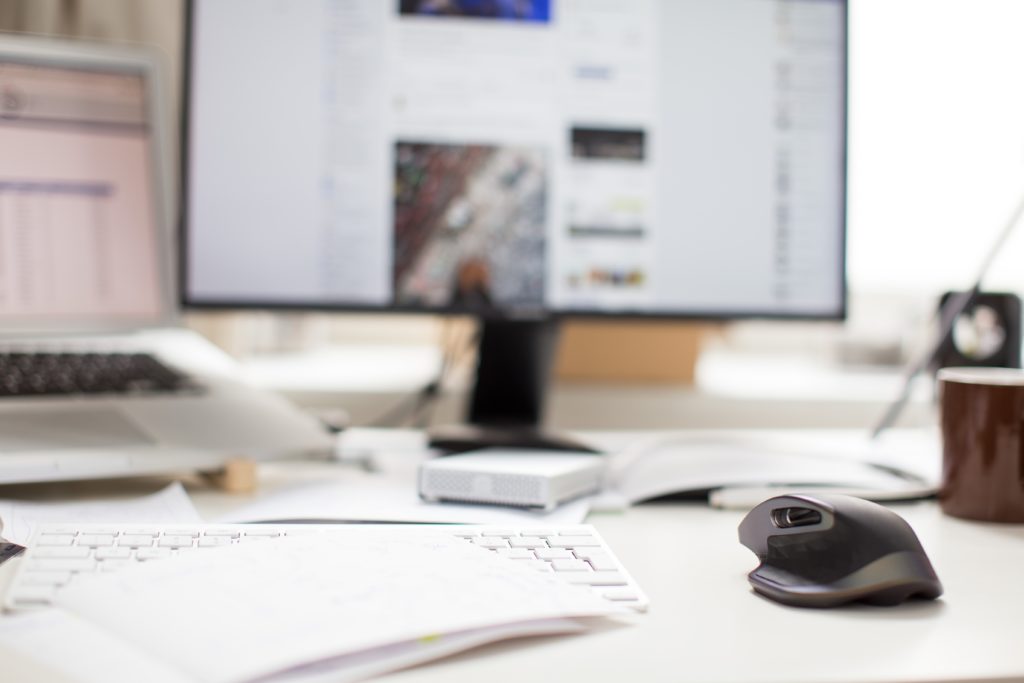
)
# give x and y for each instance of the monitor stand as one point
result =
(514, 362)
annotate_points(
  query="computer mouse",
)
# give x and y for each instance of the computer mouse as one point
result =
(827, 550)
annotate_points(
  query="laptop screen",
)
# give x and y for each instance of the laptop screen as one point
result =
(78, 219)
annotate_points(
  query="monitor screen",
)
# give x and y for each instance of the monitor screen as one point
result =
(78, 222)
(653, 157)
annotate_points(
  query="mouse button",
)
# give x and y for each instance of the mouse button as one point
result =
(881, 532)
(871, 516)
(894, 578)
(754, 530)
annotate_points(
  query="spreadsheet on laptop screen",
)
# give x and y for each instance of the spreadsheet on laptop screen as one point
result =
(78, 224)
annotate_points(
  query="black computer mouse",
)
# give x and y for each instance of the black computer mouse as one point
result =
(826, 550)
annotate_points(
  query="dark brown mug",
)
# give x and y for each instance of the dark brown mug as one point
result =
(982, 420)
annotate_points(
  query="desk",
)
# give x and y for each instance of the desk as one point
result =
(706, 625)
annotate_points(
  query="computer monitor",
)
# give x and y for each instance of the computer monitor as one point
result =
(518, 160)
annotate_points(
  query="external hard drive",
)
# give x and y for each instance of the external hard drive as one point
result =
(521, 478)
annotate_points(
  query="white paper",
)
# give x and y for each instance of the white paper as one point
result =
(236, 613)
(410, 653)
(57, 646)
(53, 645)
(380, 498)
(168, 506)
(693, 461)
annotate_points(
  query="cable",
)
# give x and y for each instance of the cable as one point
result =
(947, 315)
(454, 351)
(418, 408)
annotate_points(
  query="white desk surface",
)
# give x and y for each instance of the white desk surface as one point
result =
(705, 624)
(732, 389)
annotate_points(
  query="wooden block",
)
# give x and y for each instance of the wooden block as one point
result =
(640, 351)
(238, 475)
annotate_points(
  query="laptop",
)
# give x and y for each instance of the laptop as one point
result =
(98, 377)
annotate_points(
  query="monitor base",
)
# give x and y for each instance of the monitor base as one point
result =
(454, 439)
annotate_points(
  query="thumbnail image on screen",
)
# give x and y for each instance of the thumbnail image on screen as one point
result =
(607, 144)
(469, 227)
(514, 10)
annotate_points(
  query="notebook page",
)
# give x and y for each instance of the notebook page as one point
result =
(55, 646)
(232, 614)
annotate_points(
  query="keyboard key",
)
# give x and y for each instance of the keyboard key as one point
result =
(69, 552)
(107, 530)
(60, 529)
(226, 533)
(570, 566)
(270, 533)
(95, 540)
(152, 532)
(214, 541)
(597, 578)
(152, 553)
(492, 543)
(118, 553)
(528, 542)
(555, 554)
(573, 542)
(602, 562)
(134, 540)
(503, 533)
(175, 541)
(620, 594)
(516, 553)
(56, 539)
(114, 565)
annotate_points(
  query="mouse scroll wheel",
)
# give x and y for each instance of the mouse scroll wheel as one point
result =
(785, 518)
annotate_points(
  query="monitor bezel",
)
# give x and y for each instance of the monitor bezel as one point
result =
(187, 301)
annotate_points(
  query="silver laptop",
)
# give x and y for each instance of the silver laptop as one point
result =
(96, 377)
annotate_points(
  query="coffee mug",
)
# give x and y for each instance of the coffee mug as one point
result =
(982, 420)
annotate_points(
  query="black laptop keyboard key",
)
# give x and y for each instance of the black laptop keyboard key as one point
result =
(39, 374)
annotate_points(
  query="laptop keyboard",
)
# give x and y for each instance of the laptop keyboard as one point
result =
(58, 554)
(40, 374)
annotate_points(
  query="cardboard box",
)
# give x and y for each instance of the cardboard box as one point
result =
(637, 351)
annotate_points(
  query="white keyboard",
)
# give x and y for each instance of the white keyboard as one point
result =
(58, 553)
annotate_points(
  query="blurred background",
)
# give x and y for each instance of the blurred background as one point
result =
(936, 164)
